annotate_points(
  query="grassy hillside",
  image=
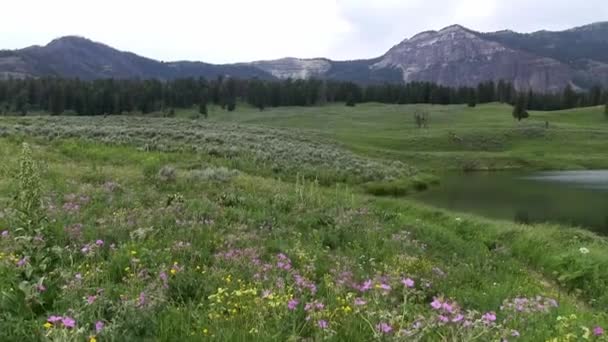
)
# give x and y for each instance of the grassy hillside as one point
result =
(485, 137)
(176, 229)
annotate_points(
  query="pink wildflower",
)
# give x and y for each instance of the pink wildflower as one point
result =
(99, 243)
(5, 233)
(407, 282)
(366, 286)
(292, 304)
(40, 287)
(598, 331)
(54, 319)
(91, 299)
(436, 304)
(360, 301)
(99, 326)
(489, 317)
(323, 324)
(384, 328)
(458, 318)
(68, 322)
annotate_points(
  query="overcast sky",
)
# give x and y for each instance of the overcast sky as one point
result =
(221, 31)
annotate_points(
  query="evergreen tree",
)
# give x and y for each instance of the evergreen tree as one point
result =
(606, 110)
(350, 101)
(202, 105)
(472, 98)
(569, 98)
(519, 110)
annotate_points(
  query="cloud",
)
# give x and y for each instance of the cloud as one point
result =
(245, 30)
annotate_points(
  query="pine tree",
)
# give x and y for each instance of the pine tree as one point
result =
(202, 105)
(519, 110)
(472, 98)
(606, 110)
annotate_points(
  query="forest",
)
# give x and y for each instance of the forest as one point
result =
(59, 96)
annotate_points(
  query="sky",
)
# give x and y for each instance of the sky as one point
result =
(226, 31)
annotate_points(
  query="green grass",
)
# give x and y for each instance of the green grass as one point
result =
(246, 219)
(487, 136)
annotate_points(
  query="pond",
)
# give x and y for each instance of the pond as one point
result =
(578, 198)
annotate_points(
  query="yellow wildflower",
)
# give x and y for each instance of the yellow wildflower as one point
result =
(47, 325)
(133, 252)
(92, 339)
(173, 271)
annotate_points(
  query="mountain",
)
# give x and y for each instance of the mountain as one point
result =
(79, 57)
(454, 56)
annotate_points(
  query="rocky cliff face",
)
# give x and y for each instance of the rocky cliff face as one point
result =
(456, 56)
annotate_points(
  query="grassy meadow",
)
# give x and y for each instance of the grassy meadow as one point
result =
(262, 226)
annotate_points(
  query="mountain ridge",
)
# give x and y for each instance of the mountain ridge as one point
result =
(455, 55)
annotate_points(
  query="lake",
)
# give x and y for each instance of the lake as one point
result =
(578, 198)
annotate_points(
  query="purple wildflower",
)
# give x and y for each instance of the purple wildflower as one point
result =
(163, 276)
(489, 317)
(54, 319)
(457, 318)
(40, 287)
(598, 331)
(384, 328)
(443, 319)
(292, 304)
(99, 243)
(407, 282)
(366, 286)
(360, 301)
(436, 304)
(142, 299)
(23, 261)
(68, 322)
(5, 233)
(99, 326)
(91, 299)
(322, 324)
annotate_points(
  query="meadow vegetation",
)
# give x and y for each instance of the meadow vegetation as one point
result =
(264, 228)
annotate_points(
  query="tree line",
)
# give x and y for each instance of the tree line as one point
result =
(113, 96)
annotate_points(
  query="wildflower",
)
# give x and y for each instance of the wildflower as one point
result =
(78, 276)
(407, 282)
(515, 333)
(47, 325)
(164, 278)
(173, 271)
(436, 304)
(323, 324)
(99, 326)
(292, 304)
(384, 328)
(598, 331)
(54, 319)
(92, 339)
(360, 301)
(99, 243)
(443, 319)
(40, 287)
(68, 322)
(385, 287)
(457, 318)
(5, 233)
(584, 250)
(448, 307)
(366, 286)
(133, 252)
(142, 299)
(489, 317)
(91, 299)
(23, 261)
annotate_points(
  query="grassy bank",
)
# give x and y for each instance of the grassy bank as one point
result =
(186, 248)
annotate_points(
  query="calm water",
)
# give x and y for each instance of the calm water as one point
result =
(577, 198)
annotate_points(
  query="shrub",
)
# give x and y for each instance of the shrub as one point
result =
(220, 174)
(167, 174)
